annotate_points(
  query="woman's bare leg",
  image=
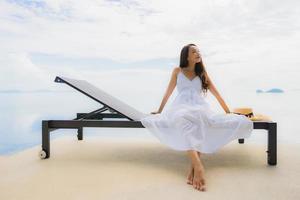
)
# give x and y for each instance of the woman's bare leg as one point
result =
(197, 169)
(191, 173)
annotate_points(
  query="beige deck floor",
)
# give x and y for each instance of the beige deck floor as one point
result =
(104, 168)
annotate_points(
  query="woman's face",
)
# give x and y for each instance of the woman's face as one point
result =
(194, 55)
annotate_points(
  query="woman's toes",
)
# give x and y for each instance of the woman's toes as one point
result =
(199, 186)
(202, 181)
(190, 176)
(190, 179)
(203, 188)
(196, 185)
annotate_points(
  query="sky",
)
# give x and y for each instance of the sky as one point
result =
(257, 41)
(128, 48)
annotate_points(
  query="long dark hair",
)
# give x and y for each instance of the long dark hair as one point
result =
(199, 67)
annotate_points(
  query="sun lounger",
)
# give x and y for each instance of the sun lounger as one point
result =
(125, 117)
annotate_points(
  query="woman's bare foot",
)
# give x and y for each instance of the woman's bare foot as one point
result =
(198, 179)
(196, 175)
(190, 176)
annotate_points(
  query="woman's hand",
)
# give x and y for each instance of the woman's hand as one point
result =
(155, 112)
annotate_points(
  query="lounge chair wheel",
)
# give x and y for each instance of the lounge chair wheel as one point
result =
(43, 154)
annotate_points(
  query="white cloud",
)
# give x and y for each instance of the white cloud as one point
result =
(19, 73)
(249, 35)
(136, 30)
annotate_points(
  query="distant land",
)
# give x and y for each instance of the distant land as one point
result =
(273, 90)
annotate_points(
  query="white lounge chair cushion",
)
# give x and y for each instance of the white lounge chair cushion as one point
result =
(106, 98)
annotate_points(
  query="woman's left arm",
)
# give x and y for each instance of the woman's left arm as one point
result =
(215, 92)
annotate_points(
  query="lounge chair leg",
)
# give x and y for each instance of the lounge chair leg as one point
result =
(241, 141)
(80, 133)
(45, 139)
(272, 144)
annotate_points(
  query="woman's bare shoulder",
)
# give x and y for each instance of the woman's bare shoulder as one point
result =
(176, 70)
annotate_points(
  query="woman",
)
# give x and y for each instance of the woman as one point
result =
(189, 124)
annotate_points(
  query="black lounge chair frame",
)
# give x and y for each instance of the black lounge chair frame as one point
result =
(95, 119)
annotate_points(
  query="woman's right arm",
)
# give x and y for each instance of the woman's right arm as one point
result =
(170, 88)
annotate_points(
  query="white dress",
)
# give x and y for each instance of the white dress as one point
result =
(189, 123)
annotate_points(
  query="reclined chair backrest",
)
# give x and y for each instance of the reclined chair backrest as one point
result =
(102, 97)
